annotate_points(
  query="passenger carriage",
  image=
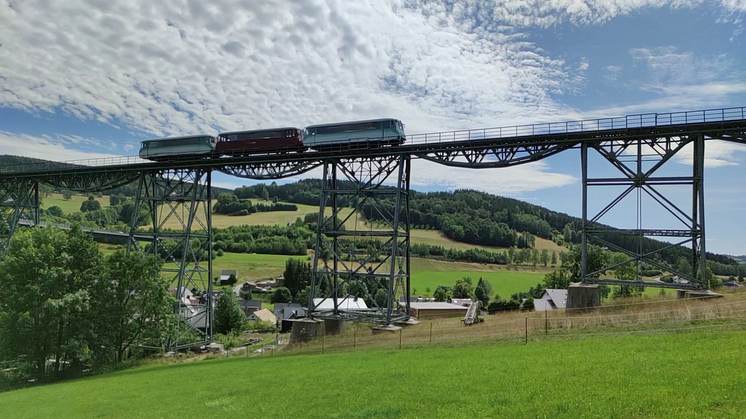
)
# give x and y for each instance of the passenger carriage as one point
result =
(276, 140)
(177, 147)
(355, 135)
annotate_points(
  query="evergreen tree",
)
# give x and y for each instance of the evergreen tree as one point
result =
(228, 314)
(281, 295)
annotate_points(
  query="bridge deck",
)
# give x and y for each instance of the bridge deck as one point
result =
(726, 124)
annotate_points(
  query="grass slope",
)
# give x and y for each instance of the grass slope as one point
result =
(612, 377)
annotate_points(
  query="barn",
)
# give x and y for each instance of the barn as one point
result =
(437, 310)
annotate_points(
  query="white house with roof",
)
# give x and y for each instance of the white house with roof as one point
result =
(552, 299)
(262, 315)
(344, 303)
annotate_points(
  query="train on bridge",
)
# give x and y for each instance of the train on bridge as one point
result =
(346, 135)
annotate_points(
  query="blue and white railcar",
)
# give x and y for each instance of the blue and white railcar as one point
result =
(177, 147)
(358, 134)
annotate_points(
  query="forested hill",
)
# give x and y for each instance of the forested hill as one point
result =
(475, 217)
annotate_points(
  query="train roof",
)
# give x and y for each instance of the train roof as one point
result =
(257, 131)
(184, 137)
(365, 121)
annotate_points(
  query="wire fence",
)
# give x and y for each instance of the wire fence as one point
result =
(642, 317)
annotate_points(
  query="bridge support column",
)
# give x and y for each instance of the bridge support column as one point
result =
(172, 218)
(362, 241)
(639, 161)
(19, 205)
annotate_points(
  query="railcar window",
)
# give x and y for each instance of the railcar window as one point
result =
(367, 126)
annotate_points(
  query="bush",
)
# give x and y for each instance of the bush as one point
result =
(220, 252)
(503, 305)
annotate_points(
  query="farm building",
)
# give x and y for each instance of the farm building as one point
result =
(289, 311)
(225, 276)
(552, 299)
(250, 306)
(437, 310)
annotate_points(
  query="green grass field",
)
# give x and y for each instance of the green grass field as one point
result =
(425, 272)
(689, 375)
(504, 282)
(252, 267)
(71, 206)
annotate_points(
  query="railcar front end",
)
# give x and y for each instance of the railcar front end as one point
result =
(164, 149)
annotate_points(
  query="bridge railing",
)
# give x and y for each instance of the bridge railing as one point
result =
(63, 226)
(587, 125)
(549, 128)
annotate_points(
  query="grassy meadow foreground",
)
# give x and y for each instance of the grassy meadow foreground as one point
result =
(687, 375)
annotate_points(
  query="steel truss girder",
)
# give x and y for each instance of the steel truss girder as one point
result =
(90, 182)
(19, 200)
(177, 205)
(270, 170)
(620, 153)
(485, 156)
(384, 264)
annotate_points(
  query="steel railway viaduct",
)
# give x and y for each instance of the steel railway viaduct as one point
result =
(178, 193)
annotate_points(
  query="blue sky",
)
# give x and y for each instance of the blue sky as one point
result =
(82, 79)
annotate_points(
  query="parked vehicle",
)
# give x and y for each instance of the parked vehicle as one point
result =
(355, 135)
(177, 147)
(277, 140)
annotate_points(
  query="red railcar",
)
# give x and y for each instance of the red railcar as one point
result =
(276, 140)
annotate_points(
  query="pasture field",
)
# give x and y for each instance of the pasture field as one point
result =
(425, 272)
(504, 282)
(624, 376)
(71, 206)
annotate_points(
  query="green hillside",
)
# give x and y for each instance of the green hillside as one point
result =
(627, 376)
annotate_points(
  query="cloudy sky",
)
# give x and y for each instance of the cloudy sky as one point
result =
(89, 78)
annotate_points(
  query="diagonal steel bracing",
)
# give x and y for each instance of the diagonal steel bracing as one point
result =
(19, 200)
(352, 258)
(173, 211)
(639, 160)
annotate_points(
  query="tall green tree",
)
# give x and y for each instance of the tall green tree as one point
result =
(228, 315)
(463, 288)
(90, 204)
(625, 272)
(557, 279)
(544, 257)
(297, 275)
(442, 293)
(281, 295)
(137, 303)
(381, 298)
(47, 278)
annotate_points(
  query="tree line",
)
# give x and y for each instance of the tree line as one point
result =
(66, 307)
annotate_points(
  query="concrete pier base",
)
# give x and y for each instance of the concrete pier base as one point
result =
(697, 294)
(334, 326)
(409, 322)
(305, 330)
(582, 297)
(386, 328)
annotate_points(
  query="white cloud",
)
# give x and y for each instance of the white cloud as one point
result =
(185, 66)
(181, 66)
(503, 181)
(44, 147)
(717, 154)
